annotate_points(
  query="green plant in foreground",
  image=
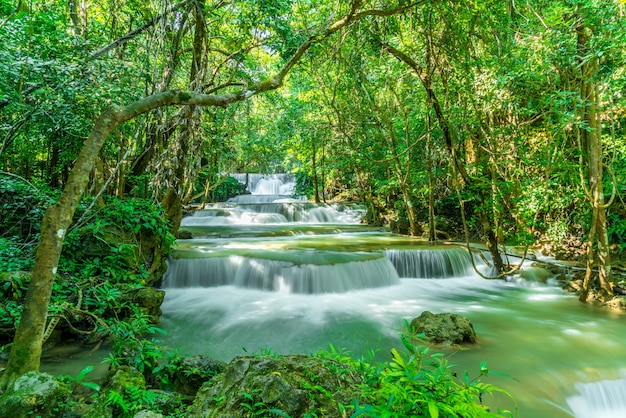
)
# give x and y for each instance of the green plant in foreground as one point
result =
(416, 383)
(80, 379)
(130, 347)
(259, 409)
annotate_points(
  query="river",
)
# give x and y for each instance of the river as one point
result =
(265, 272)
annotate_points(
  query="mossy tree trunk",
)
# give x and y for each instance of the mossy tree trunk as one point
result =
(598, 254)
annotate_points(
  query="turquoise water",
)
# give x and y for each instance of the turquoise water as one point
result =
(542, 338)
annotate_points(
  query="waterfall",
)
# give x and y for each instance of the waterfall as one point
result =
(254, 209)
(430, 264)
(268, 270)
(279, 275)
(267, 184)
(603, 399)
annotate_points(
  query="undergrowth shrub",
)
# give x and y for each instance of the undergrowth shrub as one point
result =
(122, 242)
(418, 383)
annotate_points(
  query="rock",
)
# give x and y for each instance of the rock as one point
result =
(34, 394)
(147, 414)
(119, 380)
(444, 328)
(147, 299)
(190, 373)
(184, 235)
(573, 286)
(616, 304)
(296, 385)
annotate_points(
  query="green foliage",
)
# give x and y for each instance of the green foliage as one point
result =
(131, 347)
(228, 188)
(22, 208)
(113, 244)
(418, 383)
(80, 379)
(132, 400)
(617, 230)
(304, 185)
(15, 255)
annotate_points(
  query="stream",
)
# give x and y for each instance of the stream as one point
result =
(267, 272)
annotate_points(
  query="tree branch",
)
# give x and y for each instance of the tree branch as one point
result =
(131, 35)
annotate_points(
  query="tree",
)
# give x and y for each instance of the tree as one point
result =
(591, 149)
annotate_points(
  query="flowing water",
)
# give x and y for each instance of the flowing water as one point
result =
(266, 271)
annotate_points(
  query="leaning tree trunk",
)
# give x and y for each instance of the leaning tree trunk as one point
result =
(26, 350)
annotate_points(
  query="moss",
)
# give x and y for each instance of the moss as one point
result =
(184, 96)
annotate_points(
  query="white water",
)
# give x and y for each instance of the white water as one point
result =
(240, 295)
(603, 399)
(268, 184)
(279, 275)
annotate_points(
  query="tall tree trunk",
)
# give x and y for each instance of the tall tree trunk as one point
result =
(316, 186)
(190, 126)
(591, 149)
(432, 232)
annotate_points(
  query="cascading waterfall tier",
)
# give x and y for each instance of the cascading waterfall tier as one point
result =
(280, 275)
(267, 184)
(430, 264)
(602, 399)
(251, 209)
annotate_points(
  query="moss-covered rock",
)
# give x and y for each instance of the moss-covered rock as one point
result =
(444, 328)
(147, 299)
(118, 380)
(296, 385)
(34, 394)
(190, 373)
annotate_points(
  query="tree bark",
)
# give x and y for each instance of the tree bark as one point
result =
(591, 149)
(316, 195)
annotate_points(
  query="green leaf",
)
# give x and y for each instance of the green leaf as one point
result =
(91, 385)
(84, 373)
(433, 410)
(279, 413)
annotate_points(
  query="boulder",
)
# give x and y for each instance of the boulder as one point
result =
(119, 380)
(444, 328)
(34, 394)
(295, 385)
(147, 299)
(190, 373)
(148, 414)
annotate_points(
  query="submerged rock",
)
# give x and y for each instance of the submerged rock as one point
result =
(296, 385)
(34, 394)
(444, 328)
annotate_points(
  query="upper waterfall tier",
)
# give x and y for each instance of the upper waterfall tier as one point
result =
(267, 184)
(431, 264)
(274, 212)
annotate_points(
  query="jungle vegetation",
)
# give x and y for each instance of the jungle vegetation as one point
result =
(491, 120)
